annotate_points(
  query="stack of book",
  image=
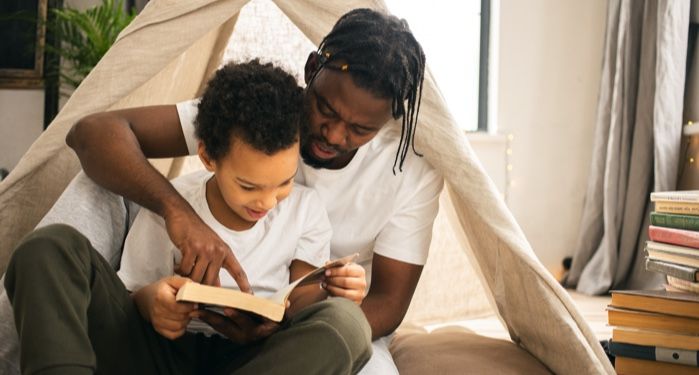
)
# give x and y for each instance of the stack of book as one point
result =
(673, 248)
(657, 332)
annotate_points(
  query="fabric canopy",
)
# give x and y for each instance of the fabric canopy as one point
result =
(165, 56)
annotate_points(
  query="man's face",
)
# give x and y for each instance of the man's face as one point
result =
(342, 117)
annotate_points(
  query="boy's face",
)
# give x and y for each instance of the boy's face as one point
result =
(251, 182)
(342, 117)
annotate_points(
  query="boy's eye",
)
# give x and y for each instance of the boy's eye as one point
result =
(247, 188)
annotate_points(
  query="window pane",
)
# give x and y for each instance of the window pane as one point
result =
(449, 32)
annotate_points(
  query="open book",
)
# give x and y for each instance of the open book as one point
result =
(271, 307)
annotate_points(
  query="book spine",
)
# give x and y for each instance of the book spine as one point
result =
(684, 285)
(670, 269)
(652, 353)
(674, 236)
(689, 208)
(675, 196)
(672, 258)
(686, 222)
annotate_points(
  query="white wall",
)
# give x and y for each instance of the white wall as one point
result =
(550, 57)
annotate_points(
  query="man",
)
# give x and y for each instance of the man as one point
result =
(381, 201)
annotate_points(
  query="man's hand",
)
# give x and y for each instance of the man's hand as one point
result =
(237, 326)
(348, 281)
(203, 251)
(156, 303)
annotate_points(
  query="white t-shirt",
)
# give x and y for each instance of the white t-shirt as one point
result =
(370, 209)
(297, 228)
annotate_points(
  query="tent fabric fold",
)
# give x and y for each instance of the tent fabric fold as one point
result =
(166, 54)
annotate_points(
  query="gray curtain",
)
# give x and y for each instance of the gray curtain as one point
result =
(691, 109)
(636, 142)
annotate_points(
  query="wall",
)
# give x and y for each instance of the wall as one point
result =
(550, 58)
(22, 114)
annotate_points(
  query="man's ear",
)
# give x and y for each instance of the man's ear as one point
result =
(209, 163)
(311, 66)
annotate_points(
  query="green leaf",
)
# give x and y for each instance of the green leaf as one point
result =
(85, 36)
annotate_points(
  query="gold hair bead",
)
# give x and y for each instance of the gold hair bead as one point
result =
(344, 67)
(327, 55)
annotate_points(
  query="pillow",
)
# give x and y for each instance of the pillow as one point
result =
(459, 351)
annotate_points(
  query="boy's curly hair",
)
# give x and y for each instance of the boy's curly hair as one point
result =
(259, 104)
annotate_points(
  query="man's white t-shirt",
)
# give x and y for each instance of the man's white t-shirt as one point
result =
(297, 228)
(371, 209)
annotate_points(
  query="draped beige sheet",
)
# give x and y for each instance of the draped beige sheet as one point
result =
(166, 54)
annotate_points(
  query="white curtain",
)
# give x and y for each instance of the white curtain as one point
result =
(637, 142)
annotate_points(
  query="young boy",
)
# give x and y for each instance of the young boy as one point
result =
(249, 129)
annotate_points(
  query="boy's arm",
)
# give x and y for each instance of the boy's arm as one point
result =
(303, 296)
(113, 148)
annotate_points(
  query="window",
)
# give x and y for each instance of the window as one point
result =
(454, 35)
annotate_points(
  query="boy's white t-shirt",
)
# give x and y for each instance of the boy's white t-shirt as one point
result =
(371, 209)
(297, 228)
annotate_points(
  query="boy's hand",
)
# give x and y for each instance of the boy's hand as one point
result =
(156, 303)
(348, 281)
(203, 251)
(237, 326)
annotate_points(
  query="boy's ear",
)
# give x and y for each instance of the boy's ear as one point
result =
(209, 163)
(311, 66)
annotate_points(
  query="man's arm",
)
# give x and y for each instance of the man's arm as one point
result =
(392, 286)
(113, 148)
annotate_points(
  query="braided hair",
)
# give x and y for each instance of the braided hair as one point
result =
(381, 54)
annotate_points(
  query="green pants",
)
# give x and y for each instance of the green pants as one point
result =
(74, 316)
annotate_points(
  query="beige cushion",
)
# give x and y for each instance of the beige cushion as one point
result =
(460, 351)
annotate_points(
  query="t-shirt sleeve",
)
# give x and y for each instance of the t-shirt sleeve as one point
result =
(187, 111)
(314, 244)
(407, 235)
(148, 255)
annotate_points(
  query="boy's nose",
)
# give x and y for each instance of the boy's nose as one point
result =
(268, 202)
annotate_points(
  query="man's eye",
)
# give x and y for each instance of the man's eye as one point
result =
(247, 188)
(324, 110)
(360, 131)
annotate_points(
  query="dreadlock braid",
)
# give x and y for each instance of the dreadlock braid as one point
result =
(382, 56)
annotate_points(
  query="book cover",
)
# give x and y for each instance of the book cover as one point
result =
(676, 270)
(633, 366)
(654, 353)
(655, 338)
(675, 196)
(673, 236)
(271, 307)
(654, 321)
(658, 301)
(687, 222)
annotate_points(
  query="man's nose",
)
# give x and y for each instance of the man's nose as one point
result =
(336, 133)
